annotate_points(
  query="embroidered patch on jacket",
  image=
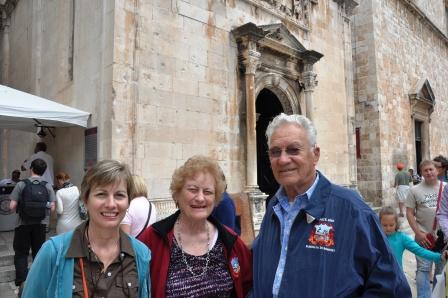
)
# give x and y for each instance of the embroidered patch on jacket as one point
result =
(322, 235)
(235, 266)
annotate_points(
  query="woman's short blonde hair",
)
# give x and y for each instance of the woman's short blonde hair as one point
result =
(140, 189)
(104, 173)
(194, 165)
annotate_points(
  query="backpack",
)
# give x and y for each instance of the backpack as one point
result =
(34, 199)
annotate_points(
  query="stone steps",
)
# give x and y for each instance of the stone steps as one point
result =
(8, 290)
(7, 273)
(6, 259)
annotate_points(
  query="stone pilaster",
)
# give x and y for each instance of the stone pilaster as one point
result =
(249, 56)
(251, 60)
(309, 79)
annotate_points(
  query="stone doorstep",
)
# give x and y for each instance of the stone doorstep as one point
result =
(8, 290)
(7, 273)
(6, 258)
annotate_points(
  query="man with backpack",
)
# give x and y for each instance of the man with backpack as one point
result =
(32, 198)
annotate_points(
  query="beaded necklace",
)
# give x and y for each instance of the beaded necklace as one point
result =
(184, 257)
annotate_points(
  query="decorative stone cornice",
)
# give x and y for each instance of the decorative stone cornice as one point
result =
(253, 41)
(425, 20)
(295, 11)
(422, 97)
(247, 37)
(308, 80)
(348, 5)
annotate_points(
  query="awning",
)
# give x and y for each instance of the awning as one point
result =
(20, 110)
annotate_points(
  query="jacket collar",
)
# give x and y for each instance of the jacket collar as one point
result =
(316, 206)
(166, 225)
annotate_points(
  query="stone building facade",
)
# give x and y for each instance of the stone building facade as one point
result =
(167, 79)
(400, 51)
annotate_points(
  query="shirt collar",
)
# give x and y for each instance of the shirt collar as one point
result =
(281, 193)
(78, 246)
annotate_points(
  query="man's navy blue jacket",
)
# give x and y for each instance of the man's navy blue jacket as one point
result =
(336, 249)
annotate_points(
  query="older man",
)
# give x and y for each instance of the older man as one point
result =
(318, 239)
(421, 205)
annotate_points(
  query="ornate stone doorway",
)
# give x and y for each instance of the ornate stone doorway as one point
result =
(267, 107)
(272, 59)
(422, 102)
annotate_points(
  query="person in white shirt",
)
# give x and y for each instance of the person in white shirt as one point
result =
(141, 212)
(67, 204)
(40, 152)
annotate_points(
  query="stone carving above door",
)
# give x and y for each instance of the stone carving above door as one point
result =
(296, 11)
(422, 100)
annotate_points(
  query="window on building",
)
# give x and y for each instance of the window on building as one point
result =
(418, 143)
(358, 142)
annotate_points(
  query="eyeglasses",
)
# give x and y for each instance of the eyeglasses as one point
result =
(276, 152)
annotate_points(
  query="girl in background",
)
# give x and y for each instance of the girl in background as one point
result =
(399, 241)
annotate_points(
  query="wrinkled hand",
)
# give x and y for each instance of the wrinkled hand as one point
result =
(421, 239)
(444, 255)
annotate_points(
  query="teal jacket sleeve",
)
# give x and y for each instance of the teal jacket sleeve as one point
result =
(42, 269)
(416, 249)
(143, 259)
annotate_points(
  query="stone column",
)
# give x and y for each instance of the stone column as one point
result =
(4, 133)
(247, 37)
(251, 61)
(5, 49)
(350, 100)
(309, 82)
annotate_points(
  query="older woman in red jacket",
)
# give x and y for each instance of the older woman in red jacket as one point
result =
(193, 255)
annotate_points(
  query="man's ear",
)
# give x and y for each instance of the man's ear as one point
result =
(316, 152)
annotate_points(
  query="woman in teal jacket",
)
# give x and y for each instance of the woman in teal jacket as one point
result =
(399, 241)
(97, 258)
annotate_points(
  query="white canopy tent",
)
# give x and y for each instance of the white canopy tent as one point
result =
(24, 111)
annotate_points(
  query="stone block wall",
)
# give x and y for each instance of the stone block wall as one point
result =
(409, 51)
(162, 81)
(393, 50)
(62, 53)
(435, 10)
(187, 98)
(366, 101)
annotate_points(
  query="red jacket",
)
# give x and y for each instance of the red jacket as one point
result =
(159, 239)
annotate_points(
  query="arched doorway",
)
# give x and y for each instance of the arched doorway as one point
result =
(267, 107)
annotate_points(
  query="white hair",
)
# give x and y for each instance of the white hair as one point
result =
(298, 120)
